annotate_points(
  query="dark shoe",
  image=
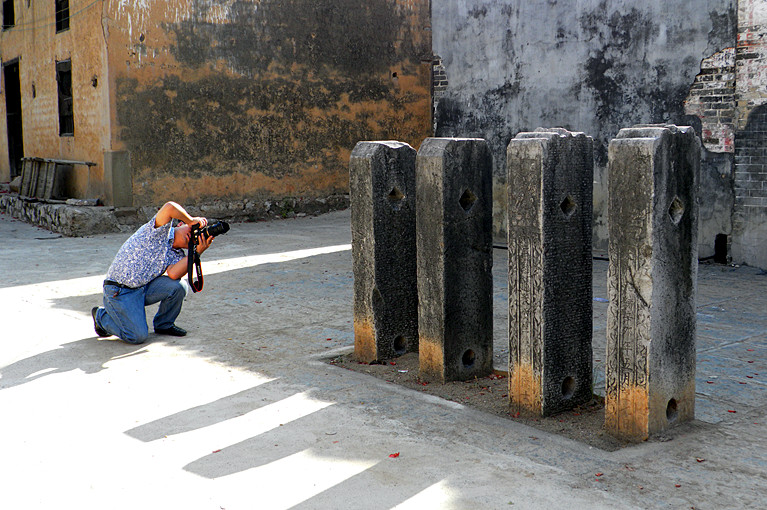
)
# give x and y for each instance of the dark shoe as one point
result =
(98, 329)
(172, 331)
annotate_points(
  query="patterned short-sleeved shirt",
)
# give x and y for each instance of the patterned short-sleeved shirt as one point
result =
(145, 255)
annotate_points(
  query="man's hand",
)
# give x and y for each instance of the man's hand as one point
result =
(203, 222)
(203, 243)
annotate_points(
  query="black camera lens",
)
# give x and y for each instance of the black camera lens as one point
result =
(216, 229)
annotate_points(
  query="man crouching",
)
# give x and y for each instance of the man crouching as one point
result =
(137, 277)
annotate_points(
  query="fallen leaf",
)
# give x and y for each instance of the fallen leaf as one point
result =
(394, 455)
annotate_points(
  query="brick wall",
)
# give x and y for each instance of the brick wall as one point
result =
(438, 86)
(712, 99)
(750, 182)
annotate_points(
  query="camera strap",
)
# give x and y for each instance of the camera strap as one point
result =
(193, 262)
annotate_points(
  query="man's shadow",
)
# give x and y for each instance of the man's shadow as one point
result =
(88, 355)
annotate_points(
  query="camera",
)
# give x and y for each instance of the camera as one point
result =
(193, 262)
(212, 230)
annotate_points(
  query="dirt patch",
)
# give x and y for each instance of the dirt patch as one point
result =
(491, 395)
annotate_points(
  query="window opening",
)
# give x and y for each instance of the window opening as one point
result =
(9, 15)
(13, 116)
(62, 15)
(66, 111)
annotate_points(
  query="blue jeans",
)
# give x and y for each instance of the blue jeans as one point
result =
(123, 314)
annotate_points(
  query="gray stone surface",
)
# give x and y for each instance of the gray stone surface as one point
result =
(653, 218)
(383, 207)
(550, 176)
(60, 217)
(455, 259)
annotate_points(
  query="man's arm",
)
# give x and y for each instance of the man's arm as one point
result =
(179, 269)
(171, 211)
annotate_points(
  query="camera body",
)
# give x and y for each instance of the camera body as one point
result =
(212, 230)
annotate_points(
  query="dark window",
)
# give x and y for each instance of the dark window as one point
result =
(62, 15)
(9, 15)
(66, 115)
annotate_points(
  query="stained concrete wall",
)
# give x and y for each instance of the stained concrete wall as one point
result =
(261, 98)
(594, 66)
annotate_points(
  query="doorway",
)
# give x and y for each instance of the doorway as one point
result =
(13, 116)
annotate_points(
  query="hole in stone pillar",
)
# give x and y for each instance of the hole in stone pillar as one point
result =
(676, 210)
(568, 206)
(468, 358)
(467, 200)
(671, 412)
(395, 195)
(568, 388)
(720, 249)
(400, 345)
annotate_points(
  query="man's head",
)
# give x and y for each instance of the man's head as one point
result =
(181, 236)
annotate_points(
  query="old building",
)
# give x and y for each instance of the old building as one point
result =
(243, 101)
(600, 65)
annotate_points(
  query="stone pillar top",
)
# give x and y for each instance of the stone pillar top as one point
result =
(549, 133)
(652, 130)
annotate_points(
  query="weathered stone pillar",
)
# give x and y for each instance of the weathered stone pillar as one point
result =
(550, 189)
(382, 182)
(455, 258)
(653, 220)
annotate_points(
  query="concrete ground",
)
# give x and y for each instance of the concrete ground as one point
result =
(244, 413)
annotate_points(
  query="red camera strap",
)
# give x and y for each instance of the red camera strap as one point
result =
(193, 262)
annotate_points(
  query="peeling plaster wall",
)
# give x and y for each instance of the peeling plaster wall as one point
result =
(262, 99)
(594, 66)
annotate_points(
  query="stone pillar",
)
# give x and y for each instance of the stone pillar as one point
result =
(382, 185)
(653, 220)
(550, 189)
(118, 180)
(455, 258)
